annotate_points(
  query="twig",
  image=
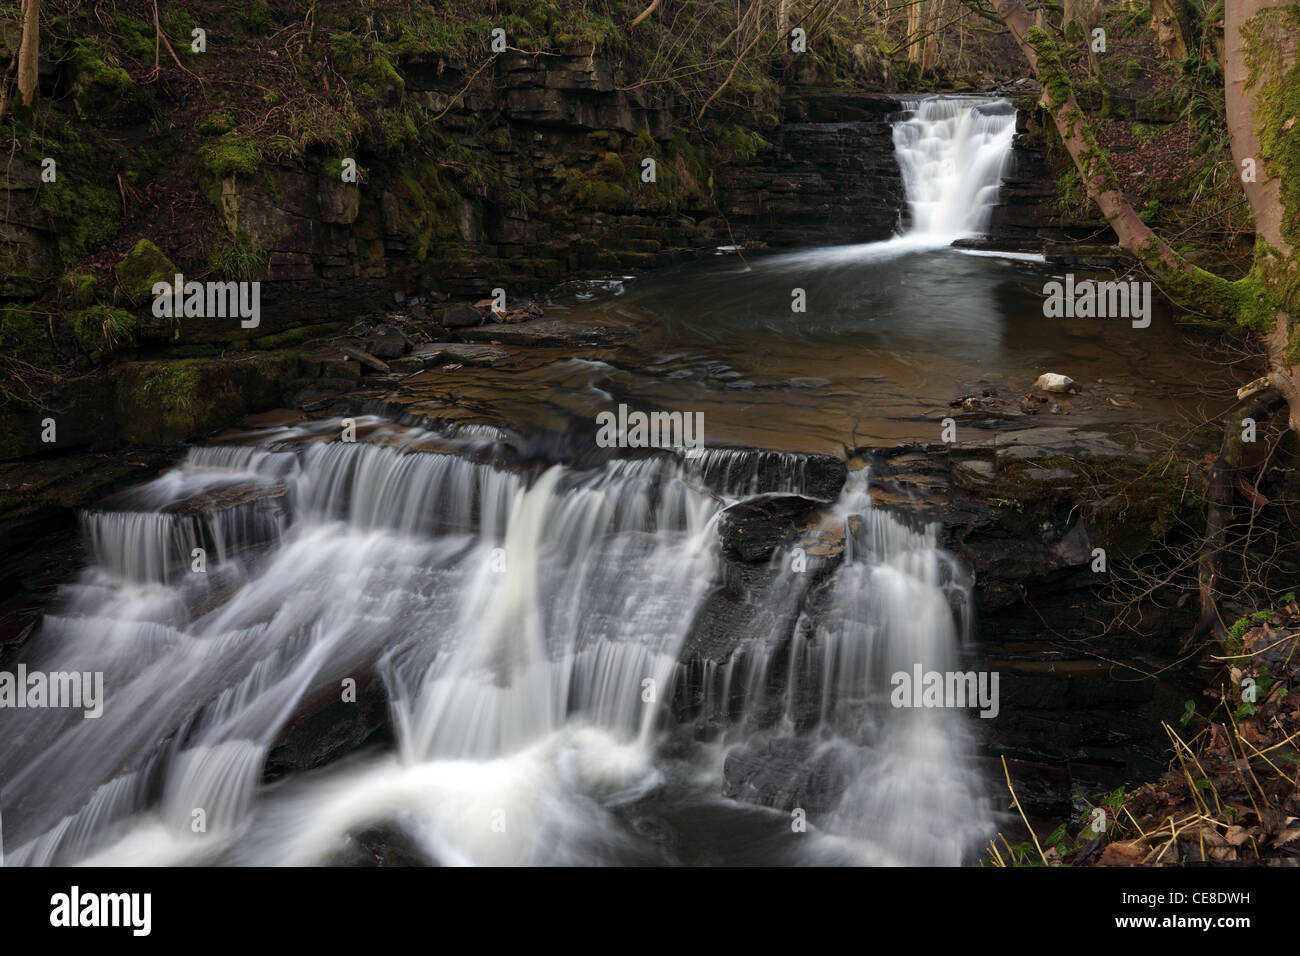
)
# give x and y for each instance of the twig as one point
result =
(1015, 802)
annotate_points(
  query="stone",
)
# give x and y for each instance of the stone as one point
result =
(144, 265)
(977, 468)
(460, 317)
(1051, 441)
(325, 727)
(387, 346)
(786, 772)
(1055, 382)
(439, 353)
(752, 529)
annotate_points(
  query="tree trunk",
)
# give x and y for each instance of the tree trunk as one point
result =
(1172, 25)
(29, 49)
(1273, 55)
(914, 31)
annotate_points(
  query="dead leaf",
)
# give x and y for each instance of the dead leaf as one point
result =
(1124, 853)
(1286, 836)
(1236, 836)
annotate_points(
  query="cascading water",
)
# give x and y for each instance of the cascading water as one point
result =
(517, 618)
(952, 152)
(529, 627)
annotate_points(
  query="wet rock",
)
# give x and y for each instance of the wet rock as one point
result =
(785, 773)
(1061, 440)
(225, 497)
(976, 468)
(548, 332)
(325, 726)
(385, 844)
(440, 353)
(752, 529)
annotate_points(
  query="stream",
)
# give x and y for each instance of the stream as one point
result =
(521, 619)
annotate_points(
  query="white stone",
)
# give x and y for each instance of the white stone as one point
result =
(1054, 382)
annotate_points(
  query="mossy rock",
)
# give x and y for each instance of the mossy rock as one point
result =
(102, 328)
(96, 79)
(217, 123)
(163, 403)
(229, 155)
(85, 207)
(24, 335)
(78, 288)
(141, 268)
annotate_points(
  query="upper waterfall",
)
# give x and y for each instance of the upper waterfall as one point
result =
(953, 152)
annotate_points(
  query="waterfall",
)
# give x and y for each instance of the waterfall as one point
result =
(952, 152)
(528, 627)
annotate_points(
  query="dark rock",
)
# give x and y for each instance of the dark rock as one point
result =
(785, 773)
(325, 727)
(460, 317)
(751, 530)
(385, 844)
(387, 346)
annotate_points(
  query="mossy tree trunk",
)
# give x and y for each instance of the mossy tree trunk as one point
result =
(1262, 94)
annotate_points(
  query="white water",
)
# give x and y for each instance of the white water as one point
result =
(517, 694)
(953, 152)
(522, 732)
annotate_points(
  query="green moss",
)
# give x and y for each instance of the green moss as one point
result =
(95, 74)
(254, 17)
(596, 194)
(160, 403)
(736, 144)
(143, 266)
(304, 333)
(231, 155)
(1051, 72)
(611, 168)
(367, 67)
(1234, 642)
(134, 34)
(78, 288)
(1277, 88)
(24, 335)
(179, 26)
(430, 205)
(86, 211)
(397, 129)
(216, 123)
(103, 328)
